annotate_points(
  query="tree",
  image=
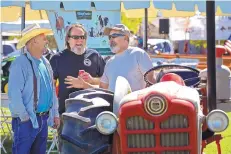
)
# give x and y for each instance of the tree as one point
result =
(132, 23)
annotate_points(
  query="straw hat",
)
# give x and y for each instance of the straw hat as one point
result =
(30, 32)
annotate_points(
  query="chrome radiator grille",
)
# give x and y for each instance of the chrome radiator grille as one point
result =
(141, 141)
(175, 121)
(173, 139)
(139, 123)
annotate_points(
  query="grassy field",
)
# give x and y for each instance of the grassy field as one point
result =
(210, 149)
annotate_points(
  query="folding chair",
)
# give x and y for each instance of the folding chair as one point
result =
(54, 141)
(3, 140)
(5, 117)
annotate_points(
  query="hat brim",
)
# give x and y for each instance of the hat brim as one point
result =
(22, 42)
(107, 30)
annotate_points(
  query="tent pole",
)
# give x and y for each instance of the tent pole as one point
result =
(23, 21)
(23, 18)
(211, 55)
(145, 36)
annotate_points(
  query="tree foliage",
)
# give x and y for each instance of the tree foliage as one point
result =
(132, 23)
(203, 43)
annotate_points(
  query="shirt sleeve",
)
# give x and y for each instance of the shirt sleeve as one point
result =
(54, 65)
(144, 61)
(15, 87)
(101, 66)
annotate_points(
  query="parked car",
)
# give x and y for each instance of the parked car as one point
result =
(9, 49)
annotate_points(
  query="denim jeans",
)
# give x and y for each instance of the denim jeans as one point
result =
(28, 140)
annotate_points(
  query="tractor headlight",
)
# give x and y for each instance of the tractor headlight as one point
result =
(217, 120)
(106, 123)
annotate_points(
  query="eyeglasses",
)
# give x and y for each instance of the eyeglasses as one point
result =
(115, 35)
(76, 37)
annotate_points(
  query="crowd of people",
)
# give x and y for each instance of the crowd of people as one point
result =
(35, 105)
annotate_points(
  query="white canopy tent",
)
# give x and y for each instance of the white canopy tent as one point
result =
(14, 28)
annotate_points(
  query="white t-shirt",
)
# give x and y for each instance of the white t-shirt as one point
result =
(132, 64)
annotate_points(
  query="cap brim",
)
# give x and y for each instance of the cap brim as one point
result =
(22, 42)
(107, 30)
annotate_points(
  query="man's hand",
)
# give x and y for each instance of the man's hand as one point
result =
(76, 83)
(87, 77)
(56, 123)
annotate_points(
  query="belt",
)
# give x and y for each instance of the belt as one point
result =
(42, 113)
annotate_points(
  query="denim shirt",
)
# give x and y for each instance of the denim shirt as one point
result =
(21, 90)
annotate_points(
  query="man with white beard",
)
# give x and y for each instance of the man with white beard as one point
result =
(74, 58)
(129, 62)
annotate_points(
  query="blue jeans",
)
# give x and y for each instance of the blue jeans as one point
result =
(28, 140)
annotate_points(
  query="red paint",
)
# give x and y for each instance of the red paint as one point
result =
(175, 106)
(173, 77)
(220, 50)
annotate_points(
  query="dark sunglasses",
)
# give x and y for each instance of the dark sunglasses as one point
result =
(76, 37)
(115, 35)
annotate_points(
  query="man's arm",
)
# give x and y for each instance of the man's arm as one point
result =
(100, 70)
(95, 81)
(73, 82)
(145, 64)
(151, 77)
(89, 79)
(80, 83)
(16, 86)
(103, 85)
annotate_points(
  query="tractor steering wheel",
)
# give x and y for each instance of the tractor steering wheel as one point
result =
(161, 69)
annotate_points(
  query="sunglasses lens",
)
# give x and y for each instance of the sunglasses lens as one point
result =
(115, 35)
(78, 37)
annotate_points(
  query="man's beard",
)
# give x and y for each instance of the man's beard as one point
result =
(114, 47)
(79, 50)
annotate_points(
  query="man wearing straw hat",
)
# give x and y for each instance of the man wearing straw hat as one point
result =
(33, 103)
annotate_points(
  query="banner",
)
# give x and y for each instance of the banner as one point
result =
(93, 21)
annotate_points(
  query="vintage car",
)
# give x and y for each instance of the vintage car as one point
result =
(164, 118)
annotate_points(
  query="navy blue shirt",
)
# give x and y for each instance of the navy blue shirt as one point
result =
(67, 63)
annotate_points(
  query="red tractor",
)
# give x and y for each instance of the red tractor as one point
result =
(164, 118)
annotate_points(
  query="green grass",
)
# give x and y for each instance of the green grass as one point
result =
(210, 149)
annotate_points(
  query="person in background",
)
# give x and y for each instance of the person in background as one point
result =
(33, 102)
(128, 62)
(48, 53)
(133, 42)
(140, 42)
